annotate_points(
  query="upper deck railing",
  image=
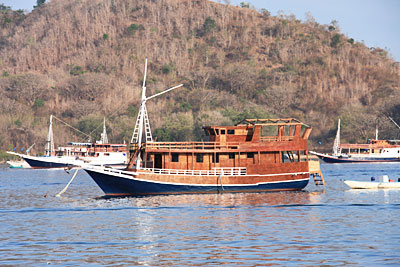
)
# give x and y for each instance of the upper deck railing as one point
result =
(276, 138)
(91, 149)
(208, 145)
(366, 146)
(191, 145)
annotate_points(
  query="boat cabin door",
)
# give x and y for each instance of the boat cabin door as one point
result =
(158, 161)
(222, 136)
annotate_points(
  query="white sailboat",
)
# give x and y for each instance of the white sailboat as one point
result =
(75, 154)
(374, 151)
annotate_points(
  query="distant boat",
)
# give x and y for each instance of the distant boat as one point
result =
(18, 164)
(385, 183)
(21, 163)
(374, 151)
(240, 158)
(75, 154)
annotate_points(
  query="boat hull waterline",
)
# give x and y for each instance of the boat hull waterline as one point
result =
(41, 164)
(333, 159)
(55, 162)
(123, 184)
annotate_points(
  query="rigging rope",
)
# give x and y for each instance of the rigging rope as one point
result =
(66, 187)
(71, 126)
(89, 135)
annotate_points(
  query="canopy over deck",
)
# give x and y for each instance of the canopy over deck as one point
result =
(272, 122)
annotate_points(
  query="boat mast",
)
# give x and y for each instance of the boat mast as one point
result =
(336, 143)
(143, 118)
(104, 138)
(50, 141)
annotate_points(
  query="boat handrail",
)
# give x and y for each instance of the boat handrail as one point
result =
(215, 171)
(366, 146)
(276, 138)
(191, 145)
(207, 145)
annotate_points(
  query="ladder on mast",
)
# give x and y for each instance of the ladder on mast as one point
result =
(143, 118)
(135, 136)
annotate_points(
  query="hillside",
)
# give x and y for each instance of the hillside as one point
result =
(83, 59)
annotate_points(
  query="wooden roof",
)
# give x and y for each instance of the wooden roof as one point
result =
(272, 122)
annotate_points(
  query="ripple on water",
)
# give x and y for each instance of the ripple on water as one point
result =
(331, 226)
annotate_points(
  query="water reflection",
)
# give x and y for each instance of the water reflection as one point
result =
(309, 228)
(220, 229)
(227, 200)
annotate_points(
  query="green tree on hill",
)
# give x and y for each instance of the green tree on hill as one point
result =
(39, 3)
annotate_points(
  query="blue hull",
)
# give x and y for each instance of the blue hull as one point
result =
(350, 160)
(38, 164)
(118, 186)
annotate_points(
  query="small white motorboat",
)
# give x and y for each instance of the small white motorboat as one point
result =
(383, 183)
(18, 164)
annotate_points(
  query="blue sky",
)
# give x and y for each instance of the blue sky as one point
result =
(374, 22)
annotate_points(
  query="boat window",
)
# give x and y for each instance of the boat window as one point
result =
(289, 156)
(231, 131)
(222, 131)
(212, 132)
(106, 154)
(217, 131)
(250, 155)
(199, 157)
(175, 157)
(231, 155)
(215, 158)
(303, 156)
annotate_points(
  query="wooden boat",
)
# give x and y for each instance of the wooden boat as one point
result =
(374, 151)
(77, 154)
(384, 183)
(240, 158)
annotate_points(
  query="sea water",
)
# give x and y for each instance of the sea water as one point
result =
(319, 226)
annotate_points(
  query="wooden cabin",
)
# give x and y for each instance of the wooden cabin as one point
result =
(256, 145)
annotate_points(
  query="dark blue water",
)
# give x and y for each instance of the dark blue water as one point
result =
(315, 227)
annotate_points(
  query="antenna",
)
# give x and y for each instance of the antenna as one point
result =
(143, 118)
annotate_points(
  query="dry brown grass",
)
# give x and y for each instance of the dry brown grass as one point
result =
(84, 58)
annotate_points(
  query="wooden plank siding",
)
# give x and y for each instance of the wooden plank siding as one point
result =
(235, 146)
